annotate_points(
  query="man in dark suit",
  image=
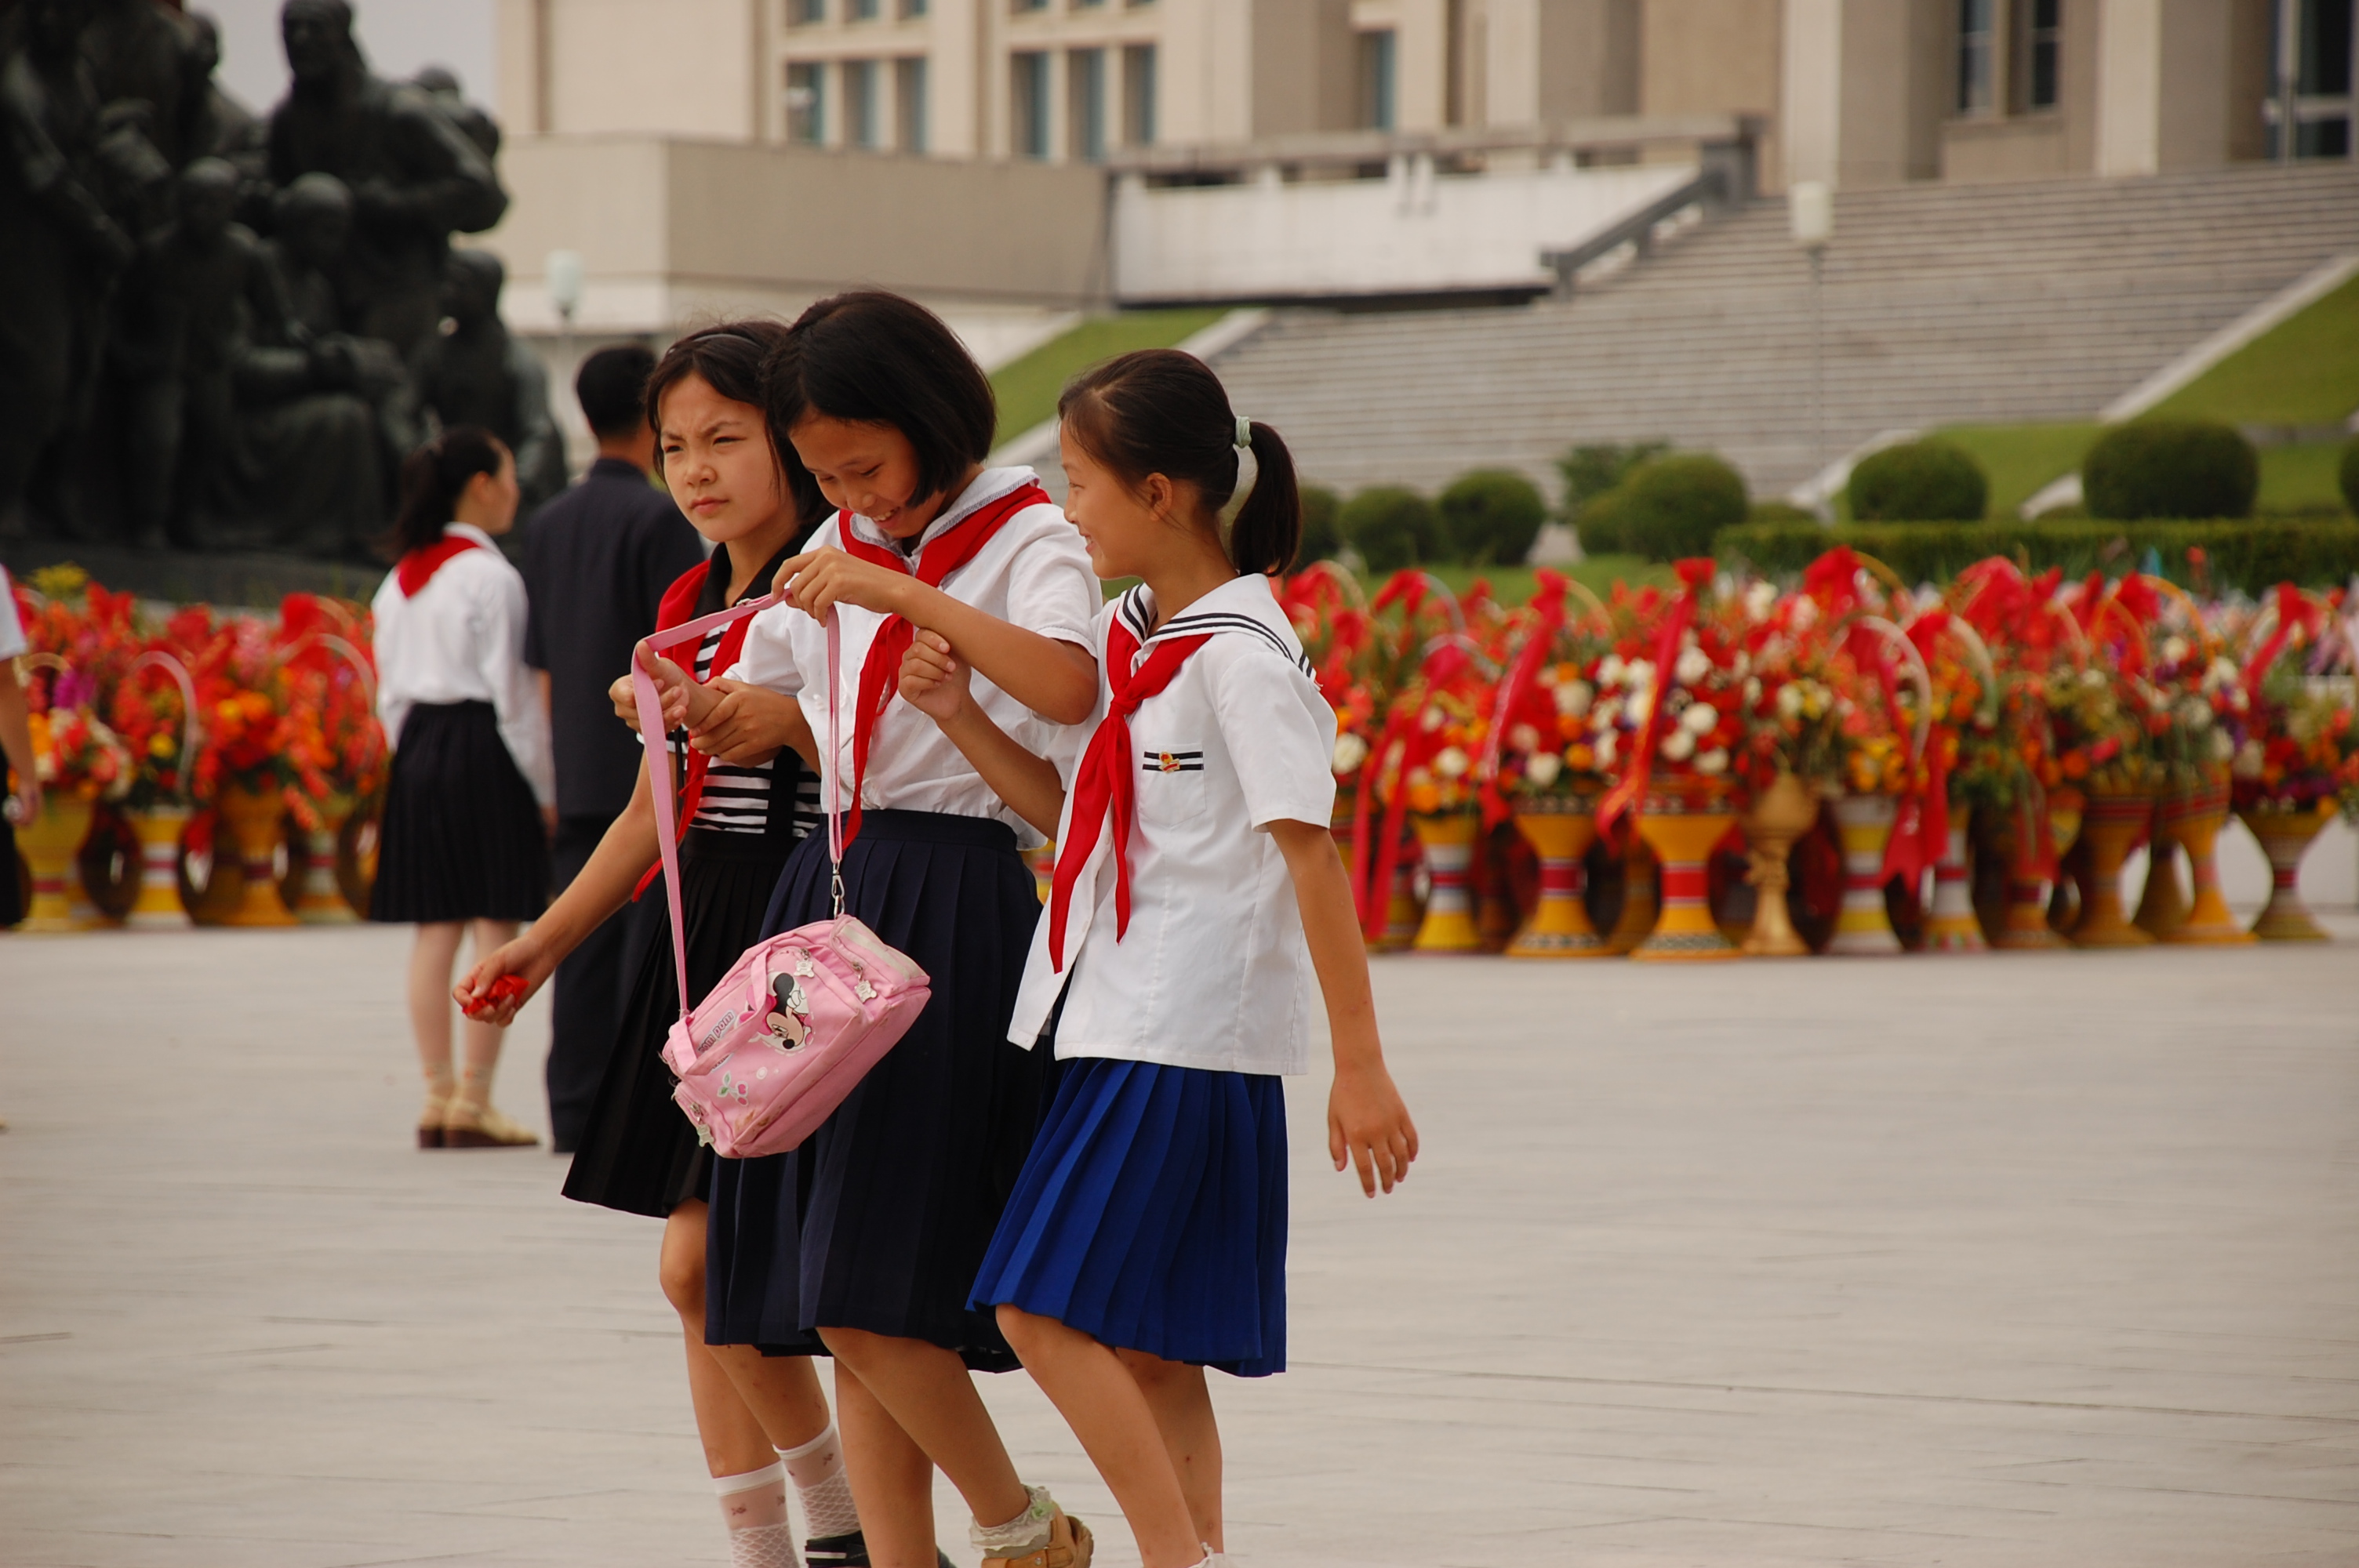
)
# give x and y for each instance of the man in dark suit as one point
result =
(596, 561)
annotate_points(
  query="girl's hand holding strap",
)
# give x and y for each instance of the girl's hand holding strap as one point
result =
(687, 703)
(750, 724)
(1368, 1124)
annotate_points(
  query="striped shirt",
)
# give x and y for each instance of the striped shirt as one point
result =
(737, 799)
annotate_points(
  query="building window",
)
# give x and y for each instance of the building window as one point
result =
(1020, 6)
(1376, 73)
(863, 113)
(863, 10)
(807, 103)
(1085, 103)
(912, 9)
(2040, 25)
(1977, 38)
(1139, 95)
(1027, 103)
(910, 103)
(801, 12)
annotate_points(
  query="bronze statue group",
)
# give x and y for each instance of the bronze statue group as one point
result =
(219, 331)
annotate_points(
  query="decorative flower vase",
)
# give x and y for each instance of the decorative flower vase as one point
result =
(2162, 906)
(1952, 927)
(319, 900)
(1683, 826)
(1447, 842)
(1494, 896)
(159, 906)
(2024, 928)
(356, 847)
(1864, 927)
(1560, 926)
(1783, 812)
(1641, 896)
(2111, 825)
(2194, 818)
(51, 842)
(253, 819)
(2285, 836)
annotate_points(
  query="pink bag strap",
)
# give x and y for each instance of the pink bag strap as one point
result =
(652, 736)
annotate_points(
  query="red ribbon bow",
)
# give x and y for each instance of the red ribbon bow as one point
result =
(880, 672)
(1107, 782)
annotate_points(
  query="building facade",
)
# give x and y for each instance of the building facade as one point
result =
(1859, 92)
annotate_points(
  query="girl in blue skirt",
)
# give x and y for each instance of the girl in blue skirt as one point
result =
(870, 1233)
(1197, 894)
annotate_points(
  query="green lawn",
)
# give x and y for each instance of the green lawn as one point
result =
(1027, 387)
(2304, 371)
(1512, 585)
(2300, 479)
(2021, 458)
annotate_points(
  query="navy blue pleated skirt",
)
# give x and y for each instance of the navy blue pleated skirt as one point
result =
(462, 838)
(1151, 1215)
(879, 1221)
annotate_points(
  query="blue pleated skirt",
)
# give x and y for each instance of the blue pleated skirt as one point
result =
(1151, 1215)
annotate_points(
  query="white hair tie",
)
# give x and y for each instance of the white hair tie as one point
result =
(1244, 431)
(1249, 472)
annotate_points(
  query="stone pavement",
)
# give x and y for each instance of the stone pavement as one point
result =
(2027, 1260)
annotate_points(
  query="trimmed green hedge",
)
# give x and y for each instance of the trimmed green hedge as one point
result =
(2253, 555)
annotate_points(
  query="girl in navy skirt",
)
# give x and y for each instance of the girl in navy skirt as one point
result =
(746, 798)
(1197, 894)
(870, 1233)
(470, 801)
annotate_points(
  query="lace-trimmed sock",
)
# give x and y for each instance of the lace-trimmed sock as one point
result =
(1026, 1533)
(817, 1469)
(754, 1506)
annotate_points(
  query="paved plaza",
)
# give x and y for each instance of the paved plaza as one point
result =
(2024, 1259)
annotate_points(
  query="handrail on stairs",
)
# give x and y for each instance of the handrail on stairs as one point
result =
(1722, 181)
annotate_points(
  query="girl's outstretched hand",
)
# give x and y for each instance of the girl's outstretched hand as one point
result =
(497, 986)
(933, 678)
(1368, 1126)
(818, 580)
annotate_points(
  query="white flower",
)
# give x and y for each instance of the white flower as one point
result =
(1699, 719)
(2223, 748)
(1641, 704)
(2223, 672)
(1612, 670)
(2092, 679)
(1678, 745)
(1433, 719)
(1790, 701)
(2195, 713)
(1351, 751)
(1605, 714)
(1573, 697)
(1759, 601)
(1608, 745)
(1451, 764)
(1713, 762)
(2174, 650)
(1523, 738)
(1693, 667)
(1541, 768)
(1752, 689)
(2248, 760)
(1641, 672)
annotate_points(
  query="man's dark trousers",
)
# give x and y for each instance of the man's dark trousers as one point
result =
(586, 995)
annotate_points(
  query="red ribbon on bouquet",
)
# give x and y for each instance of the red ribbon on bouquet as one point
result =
(1631, 788)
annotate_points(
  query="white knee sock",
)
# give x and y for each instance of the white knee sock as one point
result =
(754, 1506)
(826, 1491)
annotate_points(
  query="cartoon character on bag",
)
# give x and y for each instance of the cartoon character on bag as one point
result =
(789, 1021)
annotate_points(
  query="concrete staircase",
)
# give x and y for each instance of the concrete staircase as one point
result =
(1983, 304)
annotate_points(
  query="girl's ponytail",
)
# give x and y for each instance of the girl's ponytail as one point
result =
(432, 479)
(1162, 411)
(1268, 527)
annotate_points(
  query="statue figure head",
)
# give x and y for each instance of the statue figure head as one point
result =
(53, 28)
(208, 192)
(438, 79)
(204, 46)
(319, 38)
(471, 288)
(314, 216)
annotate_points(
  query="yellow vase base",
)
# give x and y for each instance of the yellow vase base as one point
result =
(2288, 927)
(1955, 934)
(1450, 931)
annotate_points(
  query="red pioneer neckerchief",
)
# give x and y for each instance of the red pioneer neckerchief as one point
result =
(880, 672)
(417, 567)
(677, 608)
(1106, 782)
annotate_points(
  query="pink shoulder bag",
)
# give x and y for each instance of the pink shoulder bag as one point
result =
(797, 1021)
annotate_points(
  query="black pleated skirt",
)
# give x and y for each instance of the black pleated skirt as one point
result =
(880, 1220)
(641, 1153)
(463, 838)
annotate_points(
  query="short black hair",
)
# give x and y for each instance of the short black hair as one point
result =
(609, 386)
(875, 358)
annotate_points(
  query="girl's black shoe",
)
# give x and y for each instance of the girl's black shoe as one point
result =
(851, 1552)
